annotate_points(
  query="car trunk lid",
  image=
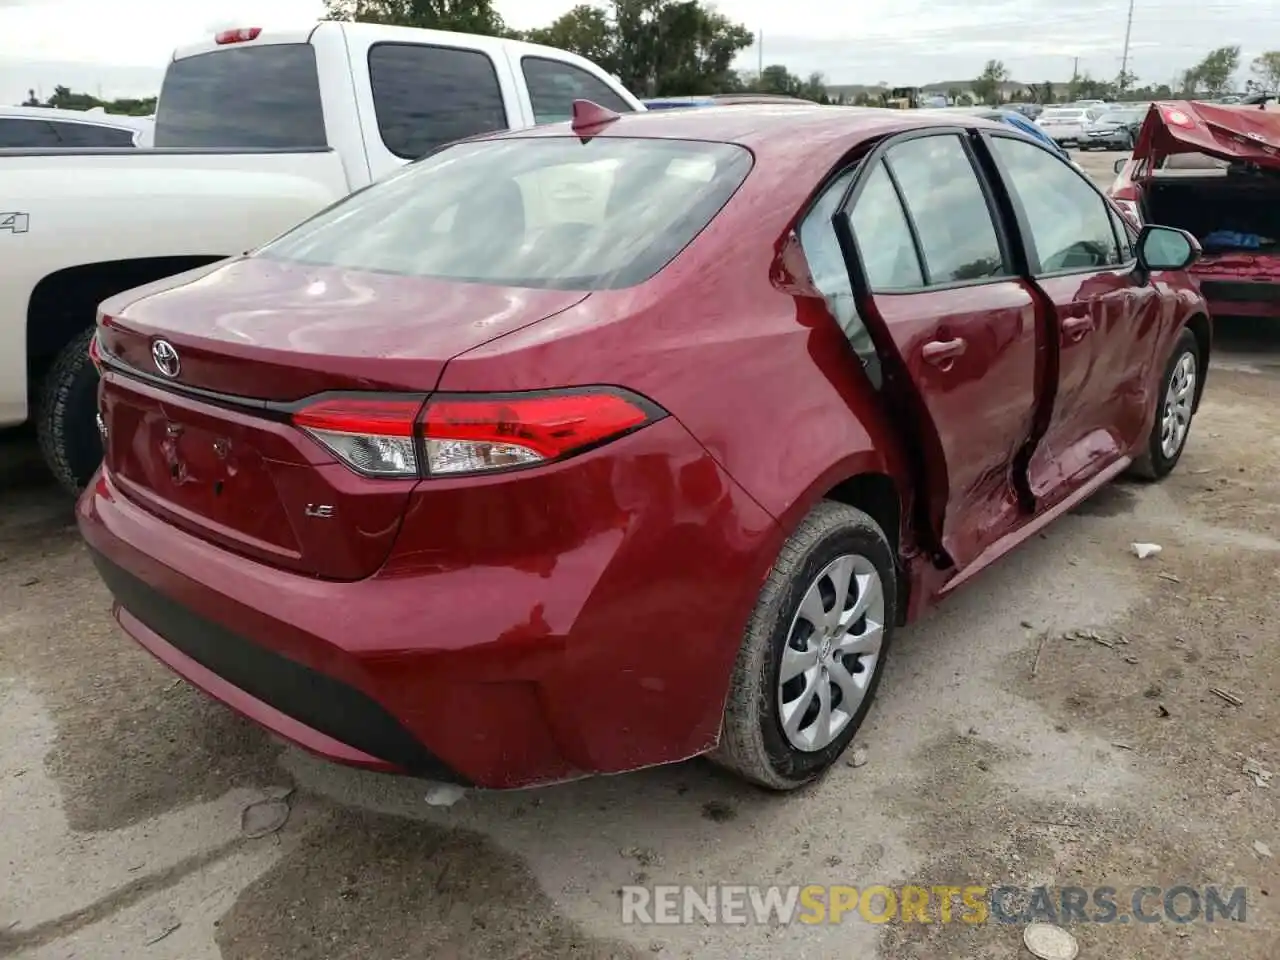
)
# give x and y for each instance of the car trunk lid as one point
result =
(211, 449)
(263, 329)
(1232, 133)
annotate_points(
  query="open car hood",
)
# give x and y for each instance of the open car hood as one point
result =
(1236, 133)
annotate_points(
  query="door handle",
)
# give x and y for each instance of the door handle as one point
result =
(1076, 327)
(942, 353)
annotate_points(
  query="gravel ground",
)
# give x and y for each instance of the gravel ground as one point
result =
(1051, 723)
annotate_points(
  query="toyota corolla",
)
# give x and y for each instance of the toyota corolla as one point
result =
(604, 445)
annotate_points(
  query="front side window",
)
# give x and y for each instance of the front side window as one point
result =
(425, 97)
(554, 85)
(941, 190)
(884, 239)
(253, 98)
(27, 134)
(830, 272)
(1069, 221)
(549, 212)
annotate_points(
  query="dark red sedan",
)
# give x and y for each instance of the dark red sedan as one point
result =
(585, 448)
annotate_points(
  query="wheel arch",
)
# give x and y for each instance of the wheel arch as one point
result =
(65, 302)
(870, 483)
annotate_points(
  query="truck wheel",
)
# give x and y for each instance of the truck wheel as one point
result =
(813, 653)
(1175, 403)
(66, 416)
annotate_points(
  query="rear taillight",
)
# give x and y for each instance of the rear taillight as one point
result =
(1130, 209)
(95, 353)
(462, 434)
(374, 436)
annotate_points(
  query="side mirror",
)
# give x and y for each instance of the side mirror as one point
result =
(1118, 166)
(1166, 248)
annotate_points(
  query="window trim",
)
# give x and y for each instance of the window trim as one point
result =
(1004, 237)
(1034, 269)
(524, 79)
(373, 99)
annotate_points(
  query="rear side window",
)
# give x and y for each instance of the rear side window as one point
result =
(92, 135)
(425, 97)
(941, 190)
(884, 238)
(250, 98)
(554, 85)
(27, 134)
(550, 212)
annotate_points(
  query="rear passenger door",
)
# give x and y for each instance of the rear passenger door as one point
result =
(552, 86)
(1080, 255)
(423, 96)
(954, 325)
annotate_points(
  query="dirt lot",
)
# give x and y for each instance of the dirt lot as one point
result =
(1053, 723)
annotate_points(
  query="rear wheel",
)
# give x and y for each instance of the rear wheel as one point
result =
(814, 651)
(66, 416)
(1176, 402)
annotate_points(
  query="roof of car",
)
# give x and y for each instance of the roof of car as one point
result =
(68, 116)
(757, 126)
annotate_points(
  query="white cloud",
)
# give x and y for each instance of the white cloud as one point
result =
(121, 48)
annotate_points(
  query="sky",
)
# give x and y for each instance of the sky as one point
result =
(120, 48)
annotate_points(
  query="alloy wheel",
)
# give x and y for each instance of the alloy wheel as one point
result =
(830, 653)
(1178, 401)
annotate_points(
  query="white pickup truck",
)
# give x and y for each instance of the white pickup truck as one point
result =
(255, 131)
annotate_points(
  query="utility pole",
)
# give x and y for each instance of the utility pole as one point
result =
(1124, 60)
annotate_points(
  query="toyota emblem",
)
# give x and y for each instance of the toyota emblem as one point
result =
(166, 358)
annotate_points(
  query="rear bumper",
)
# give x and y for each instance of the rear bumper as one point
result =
(1241, 298)
(601, 651)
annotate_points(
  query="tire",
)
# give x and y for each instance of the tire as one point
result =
(66, 416)
(754, 743)
(1159, 458)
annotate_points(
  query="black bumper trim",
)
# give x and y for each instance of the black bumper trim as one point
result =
(308, 696)
(1230, 291)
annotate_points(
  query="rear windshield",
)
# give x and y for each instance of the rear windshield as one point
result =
(254, 97)
(1062, 114)
(550, 212)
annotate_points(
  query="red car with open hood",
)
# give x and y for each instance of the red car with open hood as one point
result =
(1214, 170)
(591, 447)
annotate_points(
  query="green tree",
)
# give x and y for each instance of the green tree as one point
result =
(32, 100)
(1125, 81)
(584, 30)
(815, 88)
(463, 16)
(1213, 74)
(777, 79)
(676, 47)
(1266, 67)
(987, 87)
(1045, 93)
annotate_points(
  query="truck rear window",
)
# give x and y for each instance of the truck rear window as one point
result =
(250, 98)
(549, 212)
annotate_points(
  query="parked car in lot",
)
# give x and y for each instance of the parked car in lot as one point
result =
(1113, 130)
(47, 128)
(459, 479)
(1214, 171)
(1065, 124)
(255, 131)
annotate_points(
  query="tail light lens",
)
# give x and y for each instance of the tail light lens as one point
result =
(467, 434)
(1130, 209)
(374, 436)
(95, 353)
